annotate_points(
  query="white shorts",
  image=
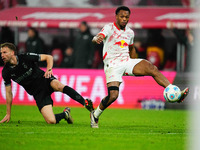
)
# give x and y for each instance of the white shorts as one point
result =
(115, 72)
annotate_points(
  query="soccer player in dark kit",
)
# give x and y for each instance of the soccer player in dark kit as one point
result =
(23, 69)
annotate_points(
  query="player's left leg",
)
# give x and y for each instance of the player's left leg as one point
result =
(51, 118)
(145, 68)
(58, 86)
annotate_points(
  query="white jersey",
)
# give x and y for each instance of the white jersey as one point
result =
(116, 44)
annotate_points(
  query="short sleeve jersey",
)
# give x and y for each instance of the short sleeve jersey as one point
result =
(26, 72)
(116, 43)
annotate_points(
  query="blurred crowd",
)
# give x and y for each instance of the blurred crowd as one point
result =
(77, 50)
(74, 52)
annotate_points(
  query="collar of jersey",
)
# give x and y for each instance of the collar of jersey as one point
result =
(118, 28)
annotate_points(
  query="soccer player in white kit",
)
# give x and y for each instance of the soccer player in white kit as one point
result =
(119, 59)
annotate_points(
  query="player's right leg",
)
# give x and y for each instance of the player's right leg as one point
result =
(113, 92)
(58, 86)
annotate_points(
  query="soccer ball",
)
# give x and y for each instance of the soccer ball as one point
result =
(172, 93)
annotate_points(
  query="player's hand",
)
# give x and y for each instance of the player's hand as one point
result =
(98, 38)
(48, 73)
(5, 119)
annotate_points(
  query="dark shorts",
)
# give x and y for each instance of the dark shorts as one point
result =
(44, 91)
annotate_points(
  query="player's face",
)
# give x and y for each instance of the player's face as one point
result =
(6, 54)
(122, 18)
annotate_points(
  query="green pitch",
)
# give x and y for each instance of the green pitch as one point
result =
(119, 129)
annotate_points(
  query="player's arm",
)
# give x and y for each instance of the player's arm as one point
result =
(98, 38)
(102, 34)
(132, 52)
(8, 104)
(49, 61)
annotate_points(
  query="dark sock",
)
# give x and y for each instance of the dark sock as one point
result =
(59, 117)
(74, 95)
(105, 101)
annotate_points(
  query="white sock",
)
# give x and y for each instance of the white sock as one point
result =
(97, 112)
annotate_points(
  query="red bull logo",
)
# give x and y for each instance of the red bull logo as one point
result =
(121, 43)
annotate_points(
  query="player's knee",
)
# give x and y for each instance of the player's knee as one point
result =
(57, 86)
(60, 88)
(51, 121)
(114, 95)
(154, 70)
(151, 69)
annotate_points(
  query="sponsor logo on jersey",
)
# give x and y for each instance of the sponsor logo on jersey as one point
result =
(121, 43)
(25, 75)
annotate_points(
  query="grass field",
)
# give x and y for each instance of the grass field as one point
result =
(119, 129)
